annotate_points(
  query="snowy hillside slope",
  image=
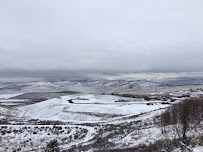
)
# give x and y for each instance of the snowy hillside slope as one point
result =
(101, 113)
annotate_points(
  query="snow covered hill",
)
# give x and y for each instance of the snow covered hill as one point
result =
(103, 113)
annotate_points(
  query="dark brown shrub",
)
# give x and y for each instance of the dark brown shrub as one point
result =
(52, 146)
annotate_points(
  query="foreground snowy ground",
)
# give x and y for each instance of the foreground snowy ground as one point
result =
(120, 115)
(87, 122)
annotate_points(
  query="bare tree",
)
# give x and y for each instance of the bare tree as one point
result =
(183, 115)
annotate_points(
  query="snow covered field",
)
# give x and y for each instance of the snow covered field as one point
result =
(111, 113)
(85, 108)
(34, 137)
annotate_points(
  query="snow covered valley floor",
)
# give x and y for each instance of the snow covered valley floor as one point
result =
(124, 120)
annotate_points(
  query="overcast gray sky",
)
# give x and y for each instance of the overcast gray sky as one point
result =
(135, 35)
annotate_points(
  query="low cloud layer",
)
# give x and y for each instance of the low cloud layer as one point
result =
(101, 35)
